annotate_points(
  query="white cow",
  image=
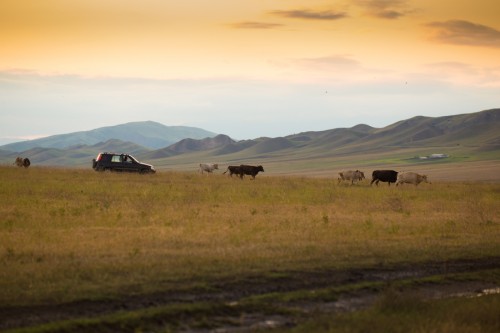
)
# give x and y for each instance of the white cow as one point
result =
(208, 167)
(351, 175)
(411, 178)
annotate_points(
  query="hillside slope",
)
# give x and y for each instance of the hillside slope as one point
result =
(465, 137)
(191, 145)
(149, 134)
(79, 155)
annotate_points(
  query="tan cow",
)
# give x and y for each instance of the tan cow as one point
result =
(351, 175)
(208, 167)
(411, 178)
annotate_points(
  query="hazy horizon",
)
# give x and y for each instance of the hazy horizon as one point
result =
(5, 141)
(248, 69)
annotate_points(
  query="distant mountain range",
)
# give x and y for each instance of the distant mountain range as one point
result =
(150, 134)
(474, 135)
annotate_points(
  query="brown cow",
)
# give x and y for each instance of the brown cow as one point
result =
(351, 175)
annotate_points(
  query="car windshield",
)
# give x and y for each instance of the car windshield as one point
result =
(132, 159)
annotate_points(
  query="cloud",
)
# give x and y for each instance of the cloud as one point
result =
(384, 9)
(462, 73)
(255, 25)
(461, 32)
(326, 15)
(334, 68)
(333, 61)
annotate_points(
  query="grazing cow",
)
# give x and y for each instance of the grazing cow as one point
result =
(411, 178)
(19, 161)
(351, 175)
(208, 167)
(388, 176)
(22, 162)
(250, 170)
(233, 169)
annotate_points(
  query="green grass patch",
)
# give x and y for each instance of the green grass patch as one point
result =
(395, 313)
(166, 318)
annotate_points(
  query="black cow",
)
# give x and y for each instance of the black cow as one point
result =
(250, 170)
(388, 176)
(233, 169)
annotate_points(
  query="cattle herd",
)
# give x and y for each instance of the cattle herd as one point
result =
(239, 170)
(386, 176)
(22, 162)
(391, 176)
(352, 176)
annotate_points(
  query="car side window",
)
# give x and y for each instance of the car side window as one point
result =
(116, 159)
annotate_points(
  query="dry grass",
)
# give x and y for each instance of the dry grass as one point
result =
(71, 234)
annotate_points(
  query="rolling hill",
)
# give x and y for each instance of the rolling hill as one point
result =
(191, 145)
(78, 155)
(149, 134)
(465, 137)
(461, 138)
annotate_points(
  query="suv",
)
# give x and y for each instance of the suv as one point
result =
(120, 162)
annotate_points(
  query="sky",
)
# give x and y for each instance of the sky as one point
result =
(246, 68)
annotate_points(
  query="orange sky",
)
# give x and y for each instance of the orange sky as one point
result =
(268, 39)
(281, 41)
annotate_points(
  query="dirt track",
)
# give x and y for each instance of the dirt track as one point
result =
(230, 293)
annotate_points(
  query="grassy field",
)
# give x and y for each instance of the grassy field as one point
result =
(72, 234)
(394, 313)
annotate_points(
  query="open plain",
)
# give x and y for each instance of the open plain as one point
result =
(177, 251)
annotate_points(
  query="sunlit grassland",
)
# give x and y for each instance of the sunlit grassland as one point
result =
(69, 234)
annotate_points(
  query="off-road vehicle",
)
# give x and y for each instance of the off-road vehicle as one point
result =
(120, 162)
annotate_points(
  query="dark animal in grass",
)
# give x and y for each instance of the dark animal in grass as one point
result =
(386, 176)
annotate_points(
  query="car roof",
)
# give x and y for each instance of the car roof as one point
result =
(108, 153)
